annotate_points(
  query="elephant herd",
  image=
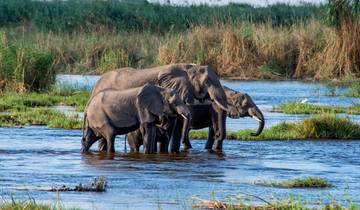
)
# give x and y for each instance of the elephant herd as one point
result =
(157, 107)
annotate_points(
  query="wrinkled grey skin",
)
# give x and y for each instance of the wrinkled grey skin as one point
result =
(112, 112)
(189, 80)
(207, 115)
(241, 105)
(135, 139)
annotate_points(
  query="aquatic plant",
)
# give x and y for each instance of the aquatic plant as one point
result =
(307, 182)
(31, 204)
(290, 203)
(319, 127)
(24, 65)
(295, 107)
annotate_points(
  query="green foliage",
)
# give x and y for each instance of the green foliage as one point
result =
(339, 11)
(141, 15)
(24, 65)
(303, 108)
(307, 182)
(354, 90)
(329, 126)
(320, 127)
(30, 204)
(13, 100)
(36, 109)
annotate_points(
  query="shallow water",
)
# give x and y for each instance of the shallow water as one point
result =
(38, 157)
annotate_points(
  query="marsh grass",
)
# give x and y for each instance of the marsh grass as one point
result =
(354, 90)
(36, 109)
(18, 101)
(31, 204)
(304, 108)
(285, 204)
(319, 127)
(307, 182)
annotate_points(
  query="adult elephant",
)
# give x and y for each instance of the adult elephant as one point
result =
(240, 105)
(113, 112)
(189, 80)
(207, 115)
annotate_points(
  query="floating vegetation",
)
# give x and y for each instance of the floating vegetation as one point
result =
(307, 182)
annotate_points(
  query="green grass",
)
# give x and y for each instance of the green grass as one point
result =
(35, 109)
(307, 182)
(354, 90)
(303, 108)
(290, 203)
(320, 127)
(18, 101)
(30, 205)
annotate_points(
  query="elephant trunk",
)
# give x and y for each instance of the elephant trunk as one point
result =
(217, 94)
(257, 115)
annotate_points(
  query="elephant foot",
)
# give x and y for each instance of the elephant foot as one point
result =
(187, 147)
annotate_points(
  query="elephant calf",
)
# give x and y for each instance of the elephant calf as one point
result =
(112, 112)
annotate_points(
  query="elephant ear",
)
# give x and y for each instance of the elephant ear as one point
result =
(178, 80)
(150, 98)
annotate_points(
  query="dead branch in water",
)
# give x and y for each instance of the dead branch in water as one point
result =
(96, 185)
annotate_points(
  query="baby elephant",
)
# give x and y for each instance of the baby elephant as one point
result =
(112, 112)
(135, 139)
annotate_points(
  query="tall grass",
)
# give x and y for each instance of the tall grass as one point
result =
(24, 65)
(42, 38)
(89, 15)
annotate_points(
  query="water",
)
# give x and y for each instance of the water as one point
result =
(37, 157)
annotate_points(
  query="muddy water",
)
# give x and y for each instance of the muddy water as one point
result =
(33, 158)
(37, 157)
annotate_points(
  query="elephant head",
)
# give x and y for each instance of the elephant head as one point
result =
(241, 105)
(193, 81)
(206, 84)
(160, 102)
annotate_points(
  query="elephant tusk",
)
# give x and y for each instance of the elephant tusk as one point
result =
(221, 106)
(256, 118)
(186, 118)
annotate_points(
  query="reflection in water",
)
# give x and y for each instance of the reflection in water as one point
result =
(36, 157)
(43, 157)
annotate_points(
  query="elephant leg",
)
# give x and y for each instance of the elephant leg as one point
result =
(185, 134)
(210, 141)
(135, 140)
(109, 134)
(149, 136)
(164, 140)
(89, 139)
(176, 135)
(220, 133)
(102, 145)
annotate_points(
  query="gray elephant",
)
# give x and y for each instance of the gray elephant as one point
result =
(112, 112)
(189, 80)
(207, 115)
(240, 105)
(135, 139)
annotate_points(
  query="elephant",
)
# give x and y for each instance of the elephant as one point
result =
(192, 82)
(135, 139)
(112, 112)
(207, 115)
(240, 105)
